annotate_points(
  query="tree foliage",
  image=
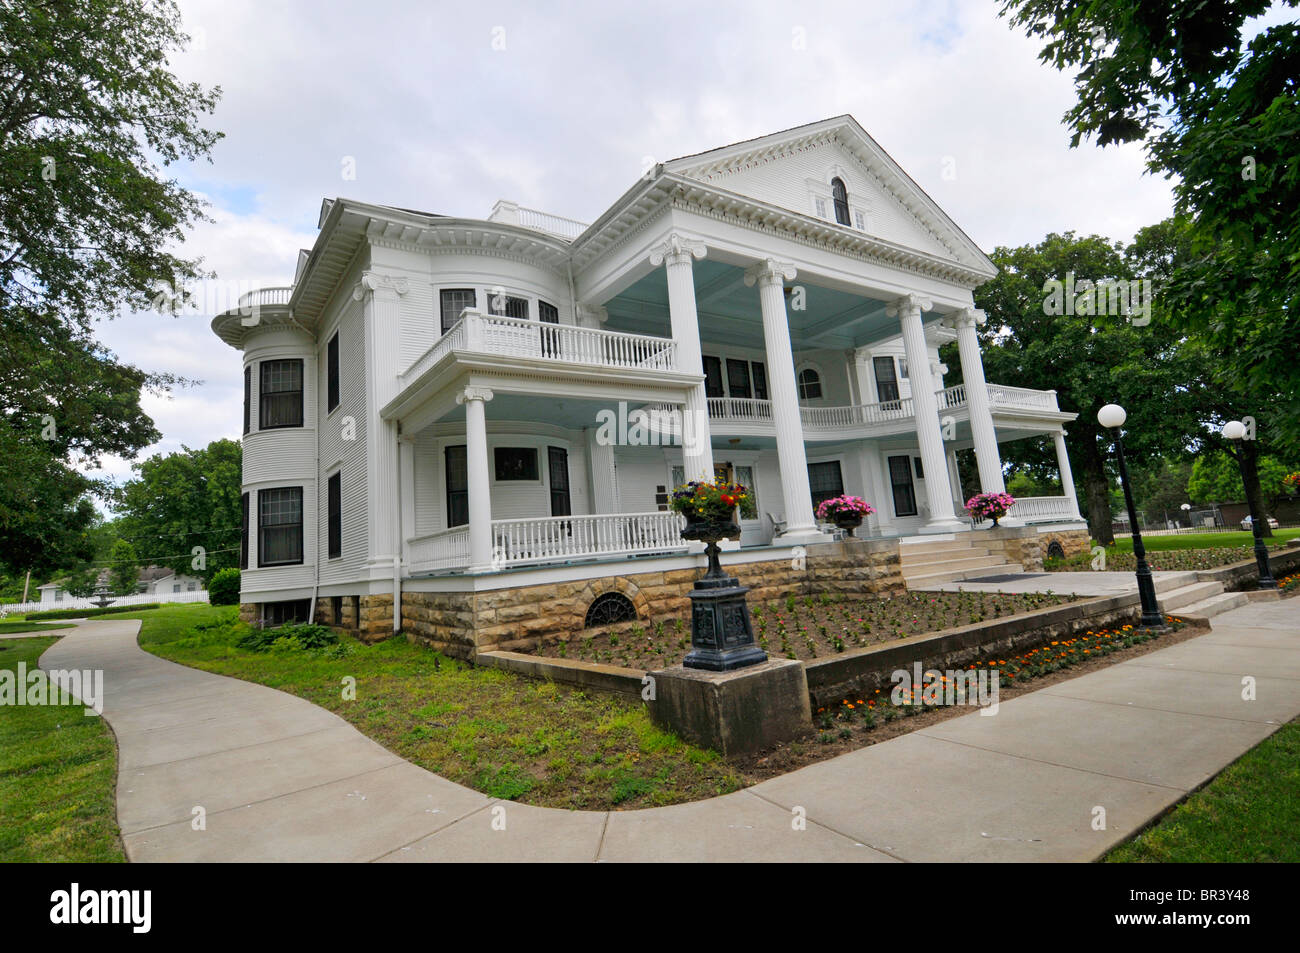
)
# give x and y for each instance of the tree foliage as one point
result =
(123, 568)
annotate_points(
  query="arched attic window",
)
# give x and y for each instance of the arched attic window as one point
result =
(810, 384)
(840, 196)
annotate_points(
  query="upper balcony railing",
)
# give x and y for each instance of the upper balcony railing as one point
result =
(555, 224)
(494, 334)
(1004, 396)
(263, 297)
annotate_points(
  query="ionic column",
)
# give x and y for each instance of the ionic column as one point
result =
(965, 322)
(381, 296)
(1067, 475)
(476, 465)
(925, 405)
(675, 254)
(770, 276)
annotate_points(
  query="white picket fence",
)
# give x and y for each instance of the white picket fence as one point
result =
(135, 599)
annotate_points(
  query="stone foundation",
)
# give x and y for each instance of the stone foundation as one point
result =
(523, 618)
(1073, 541)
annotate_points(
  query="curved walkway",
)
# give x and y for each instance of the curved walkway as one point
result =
(275, 778)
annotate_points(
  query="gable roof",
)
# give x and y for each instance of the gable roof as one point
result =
(875, 162)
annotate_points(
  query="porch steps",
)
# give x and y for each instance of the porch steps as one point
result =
(1208, 608)
(949, 559)
(1180, 598)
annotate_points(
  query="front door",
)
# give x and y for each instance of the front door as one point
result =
(558, 460)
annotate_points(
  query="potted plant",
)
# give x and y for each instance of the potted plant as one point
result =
(846, 512)
(710, 509)
(992, 506)
(1291, 483)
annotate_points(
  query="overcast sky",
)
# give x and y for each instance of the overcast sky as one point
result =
(446, 107)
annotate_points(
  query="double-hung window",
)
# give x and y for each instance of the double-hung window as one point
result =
(280, 394)
(279, 523)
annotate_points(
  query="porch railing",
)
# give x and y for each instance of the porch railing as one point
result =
(446, 549)
(1022, 397)
(1042, 509)
(740, 408)
(518, 542)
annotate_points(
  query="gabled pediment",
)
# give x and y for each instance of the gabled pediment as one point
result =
(793, 170)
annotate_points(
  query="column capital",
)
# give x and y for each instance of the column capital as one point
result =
(965, 318)
(908, 304)
(372, 281)
(474, 393)
(770, 271)
(676, 249)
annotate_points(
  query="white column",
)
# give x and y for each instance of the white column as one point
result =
(954, 480)
(476, 460)
(406, 453)
(965, 322)
(1067, 475)
(675, 253)
(861, 357)
(770, 276)
(604, 494)
(925, 405)
(381, 299)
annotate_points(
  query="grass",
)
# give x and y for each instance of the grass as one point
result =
(510, 737)
(57, 771)
(1248, 814)
(8, 627)
(1204, 540)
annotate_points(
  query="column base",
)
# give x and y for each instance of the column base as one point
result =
(936, 527)
(801, 537)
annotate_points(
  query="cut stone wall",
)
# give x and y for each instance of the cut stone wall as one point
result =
(522, 618)
(1073, 541)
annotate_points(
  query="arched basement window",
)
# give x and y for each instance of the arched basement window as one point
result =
(840, 195)
(610, 607)
(810, 384)
(1055, 550)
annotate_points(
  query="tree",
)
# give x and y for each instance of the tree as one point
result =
(123, 568)
(1216, 478)
(1089, 359)
(88, 109)
(183, 500)
(1221, 119)
(1160, 488)
(82, 582)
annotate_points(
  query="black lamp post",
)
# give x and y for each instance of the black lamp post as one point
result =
(1236, 430)
(1112, 417)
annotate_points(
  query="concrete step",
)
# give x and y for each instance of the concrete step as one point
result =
(1187, 595)
(1173, 581)
(956, 575)
(1208, 608)
(951, 563)
(917, 559)
(940, 545)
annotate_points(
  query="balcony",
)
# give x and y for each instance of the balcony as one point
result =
(265, 297)
(1043, 509)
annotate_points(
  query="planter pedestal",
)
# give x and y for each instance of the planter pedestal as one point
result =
(722, 636)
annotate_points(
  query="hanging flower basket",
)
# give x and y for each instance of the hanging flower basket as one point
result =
(989, 506)
(846, 512)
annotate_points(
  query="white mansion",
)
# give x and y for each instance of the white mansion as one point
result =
(427, 409)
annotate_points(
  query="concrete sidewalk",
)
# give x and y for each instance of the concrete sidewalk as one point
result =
(280, 779)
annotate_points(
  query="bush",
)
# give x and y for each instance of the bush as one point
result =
(289, 638)
(88, 613)
(223, 590)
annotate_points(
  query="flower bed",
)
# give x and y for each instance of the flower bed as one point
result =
(808, 627)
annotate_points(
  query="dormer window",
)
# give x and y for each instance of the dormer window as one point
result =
(840, 196)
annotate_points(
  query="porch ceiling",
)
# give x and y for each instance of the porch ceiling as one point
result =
(729, 311)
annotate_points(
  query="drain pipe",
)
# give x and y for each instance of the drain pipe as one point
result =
(397, 525)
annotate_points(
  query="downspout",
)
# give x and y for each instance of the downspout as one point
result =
(315, 589)
(397, 520)
(573, 293)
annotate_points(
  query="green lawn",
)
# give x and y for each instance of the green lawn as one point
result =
(505, 735)
(12, 627)
(1248, 814)
(57, 771)
(1204, 540)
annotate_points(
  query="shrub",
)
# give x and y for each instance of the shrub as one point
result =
(223, 590)
(289, 638)
(88, 613)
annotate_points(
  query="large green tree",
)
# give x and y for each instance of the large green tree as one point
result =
(1219, 114)
(90, 116)
(1089, 359)
(180, 501)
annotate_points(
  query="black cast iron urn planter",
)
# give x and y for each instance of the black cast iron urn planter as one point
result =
(722, 636)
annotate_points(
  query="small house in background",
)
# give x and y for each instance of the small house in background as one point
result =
(153, 580)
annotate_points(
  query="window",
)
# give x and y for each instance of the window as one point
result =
(760, 379)
(902, 368)
(192, 587)
(900, 480)
(745, 477)
(282, 613)
(279, 523)
(515, 464)
(821, 207)
(176, 587)
(336, 516)
(457, 465)
(557, 459)
(840, 196)
(548, 313)
(280, 394)
(243, 536)
(886, 382)
(916, 465)
(58, 595)
(810, 384)
(825, 481)
(738, 378)
(452, 301)
(336, 609)
(859, 220)
(713, 377)
(610, 607)
(507, 306)
(332, 373)
(248, 398)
